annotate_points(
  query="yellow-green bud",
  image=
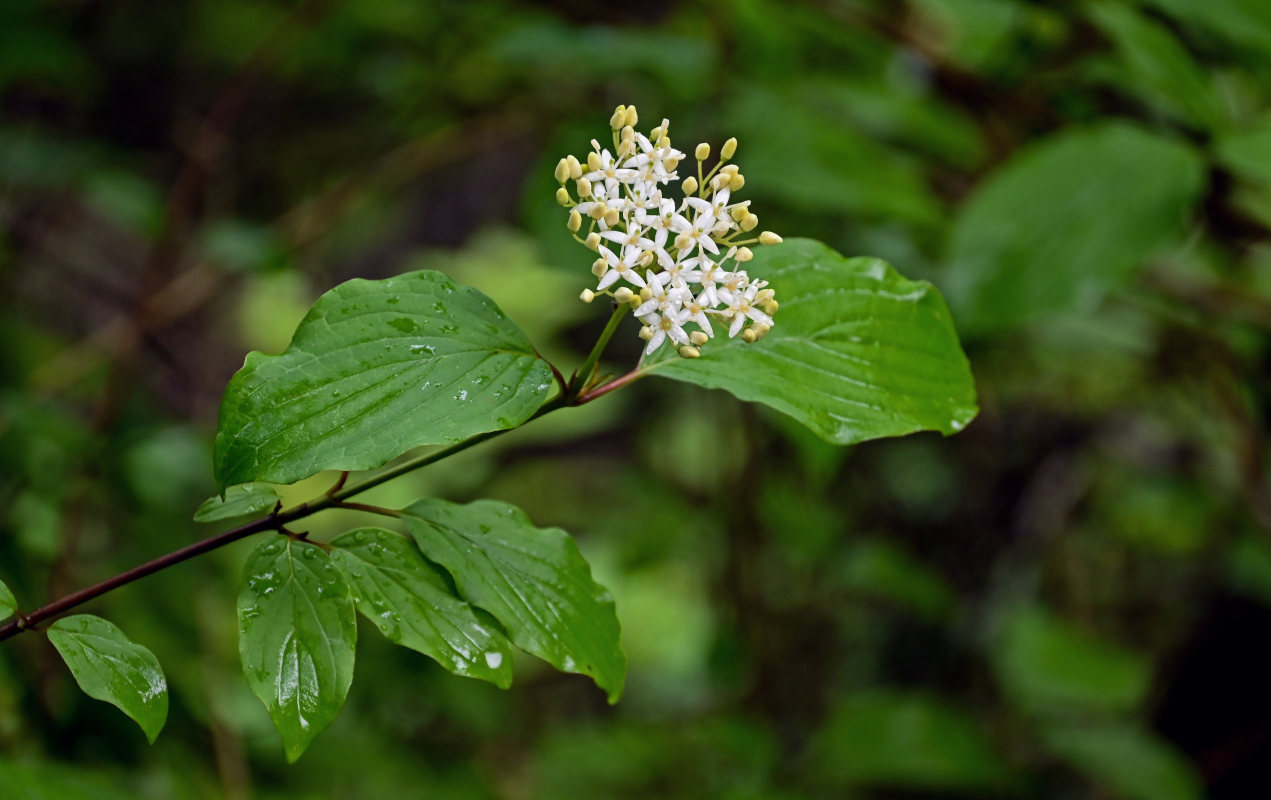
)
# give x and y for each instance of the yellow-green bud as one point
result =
(626, 147)
(761, 329)
(575, 221)
(587, 296)
(721, 181)
(698, 338)
(764, 296)
(592, 241)
(730, 147)
(689, 185)
(562, 171)
(770, 307)
(688, 351)
(562, 196)
(702, 152)
(593, 161)
(737, 182)
(655, 135)
(768, 237)
(619, 118)
(623, 295)
(749, 336)
(584, 187)
(646, 259)
(730, 169)
(743, 255)
(749, 221)
(611, 217)
(599, 267)
(575, 169)
(628, 133)
(665, 141)
(646, 333)
(632, 118)
(646, 293)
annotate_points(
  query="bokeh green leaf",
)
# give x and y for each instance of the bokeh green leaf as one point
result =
(375, 369)
(1066, 219)
(1136, 764)
(109, 666)
(534, 581)
(411, 602)
(297, 637)
(858, 352)
(8, 603)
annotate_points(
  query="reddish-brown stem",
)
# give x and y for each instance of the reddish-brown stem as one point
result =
(604, 389)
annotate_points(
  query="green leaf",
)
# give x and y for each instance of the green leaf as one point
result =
(411, 602)
(1132, 763)
(375, 369)
(109, 666)
(1065, 220)
(242, 500)
(858, 352)
(532, 580)
(1050, 666)
(1248, 152)
(8, 603)
(1245, 22)
(893, 739)
(297, 635)
(1157, 66)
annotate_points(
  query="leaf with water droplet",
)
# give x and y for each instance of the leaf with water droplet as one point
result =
(858, 352)
(534, 581)
(412, 603)
(109, 666)
(346, 392)
(242, 500)
(297, 652)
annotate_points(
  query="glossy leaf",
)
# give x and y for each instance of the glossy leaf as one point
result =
(109, 666)
(297, 635)
(1244, 22)
(858, 352)
(1066, 219)
(908, 740)
(8, 603)
(411, 602)
(1133, 763)
(242, 500)
(532, 580)
(375, 369)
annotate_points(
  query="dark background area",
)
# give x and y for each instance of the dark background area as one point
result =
(1066, 600)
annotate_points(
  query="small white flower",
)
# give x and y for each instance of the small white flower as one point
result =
(620, 268)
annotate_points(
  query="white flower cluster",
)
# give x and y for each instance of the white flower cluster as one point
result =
(673, 263)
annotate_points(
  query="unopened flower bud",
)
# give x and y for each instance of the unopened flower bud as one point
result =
(562, 196)
(749, 221)
(737, 182)
(619, 118)
(575, 221)
(633, 118)
(761, 329)
(599, 267)
(770, 307)
(768, 237)
(626, 147)
(587, 296)
(592, 241)
(702, 152)
(646, 333)
(593, 162)
(749, 336)
(690, 185)
(721, 181)
(562, 171)
(611, 217)
(646, 259)
(698, 338)
(730, 169)
(743, 255)
(688, 351)
(730, 147)
(584, 187)
(575, 169)
(646, 293)
(628, 132)
(623, 295)
(764, 296)
(664, 142)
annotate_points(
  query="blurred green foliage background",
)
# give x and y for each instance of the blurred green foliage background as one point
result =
(1063, 601)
